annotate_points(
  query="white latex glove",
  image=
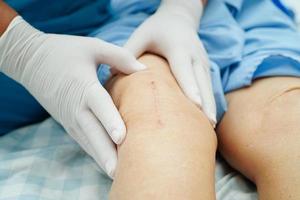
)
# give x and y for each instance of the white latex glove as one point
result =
(60, 71)
(172, 33)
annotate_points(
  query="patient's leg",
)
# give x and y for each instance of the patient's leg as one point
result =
(169, 151)
(260, 136)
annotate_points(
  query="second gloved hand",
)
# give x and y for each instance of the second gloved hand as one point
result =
(60, 72)
(172, 33)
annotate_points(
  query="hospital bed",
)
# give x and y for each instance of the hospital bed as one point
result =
(40, 161)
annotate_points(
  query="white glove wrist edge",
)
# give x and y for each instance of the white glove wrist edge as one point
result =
(3, 39)
(18, 19)
(17, 37)
(191, 9)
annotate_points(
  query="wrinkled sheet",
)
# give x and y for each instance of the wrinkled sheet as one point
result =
(295, 6)
(41, 162)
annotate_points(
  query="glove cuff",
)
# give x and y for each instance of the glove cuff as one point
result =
(15, 47)
(189, 9)
(18, 19)
(5, 43)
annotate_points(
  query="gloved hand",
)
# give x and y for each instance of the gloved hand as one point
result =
(172, 33)
(60, 72)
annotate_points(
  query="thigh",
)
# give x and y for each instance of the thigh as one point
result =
(260, 132)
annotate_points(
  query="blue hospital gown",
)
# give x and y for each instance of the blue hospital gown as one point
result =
(245, 40)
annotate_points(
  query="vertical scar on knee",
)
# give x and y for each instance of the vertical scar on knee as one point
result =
(156, 104)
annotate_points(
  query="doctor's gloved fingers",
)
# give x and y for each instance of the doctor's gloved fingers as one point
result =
(137, 43)
(117, 57)
(81, 139)
(108, 160)
(202, 76)
(103, 107)
(182, 69)
(100, 144)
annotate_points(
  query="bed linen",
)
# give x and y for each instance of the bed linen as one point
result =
(41, 162)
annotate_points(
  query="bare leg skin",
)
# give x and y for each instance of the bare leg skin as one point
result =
(260, 136)
(169, 151)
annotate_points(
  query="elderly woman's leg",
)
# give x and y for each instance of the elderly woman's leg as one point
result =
(260, 136)
(169, 151)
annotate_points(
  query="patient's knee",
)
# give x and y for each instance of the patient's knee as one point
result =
(151, 95)
(281, 114)
(261, 128)
(269, 107)
(275, 143)
(279, 119)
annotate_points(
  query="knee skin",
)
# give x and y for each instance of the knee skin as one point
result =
(260, 133)
(169, 141)
(152, 98)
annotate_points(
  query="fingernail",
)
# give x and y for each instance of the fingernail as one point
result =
(212, 119)
(140, 66)
(198, 101)
(117, 136)
(213, 123)
(110, 169)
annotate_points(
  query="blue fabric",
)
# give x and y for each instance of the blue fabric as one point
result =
(245, 40)
(287, 11)
(264, 36)
(17, 108)
(63, 16)
(242, 46)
